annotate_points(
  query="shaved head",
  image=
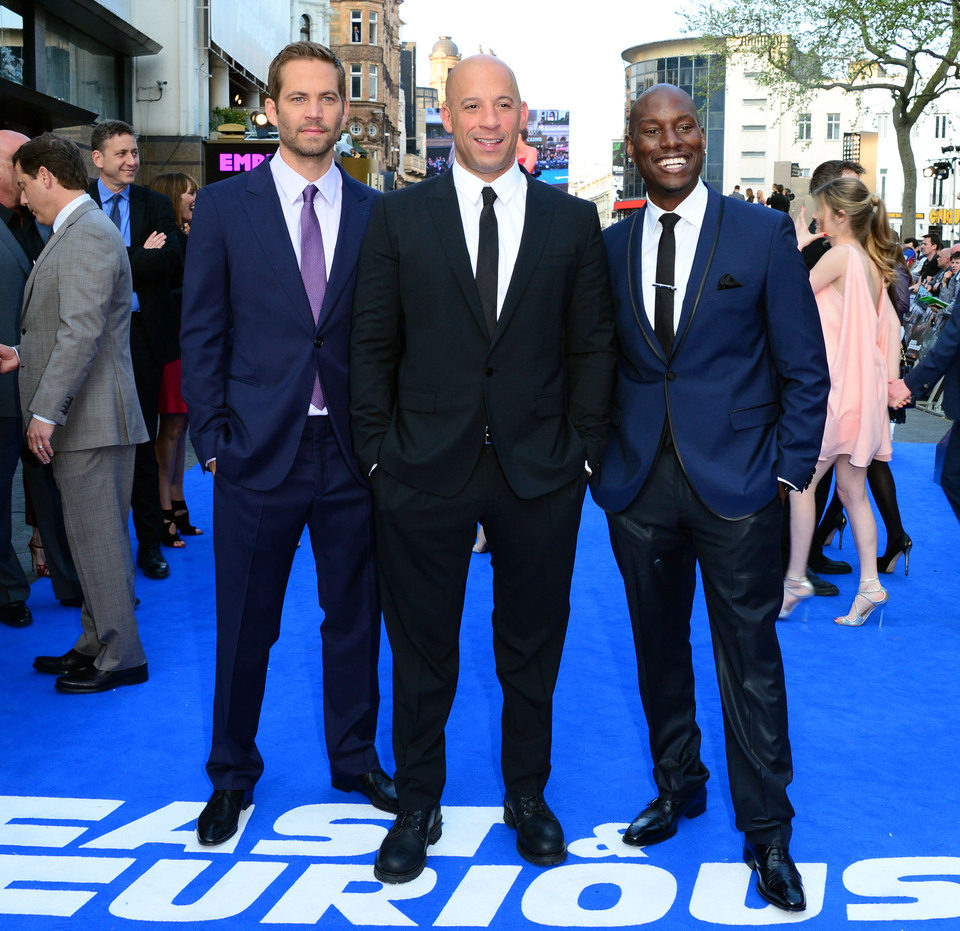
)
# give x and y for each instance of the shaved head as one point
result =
(10, 141)
(682, 99)
(477, 65)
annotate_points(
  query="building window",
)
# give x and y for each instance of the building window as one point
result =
(374, 24)
(833, 125)
(883, 125)
(754, 101)
(753, 180)
(80, 69)
(356, 26)
(883, 184)
(372, 83)
(304, 28)
(753, 155)
(804, 126)
(11, 45)
(754, 127)
(940, 126)
(356, 77)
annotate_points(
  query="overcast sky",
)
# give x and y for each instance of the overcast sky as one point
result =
(566, 56)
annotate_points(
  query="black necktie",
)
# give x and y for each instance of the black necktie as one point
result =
(663, 298)
(488, 255)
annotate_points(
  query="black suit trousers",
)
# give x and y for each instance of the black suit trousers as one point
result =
(657, 542)
(424, 545)
(145, 502)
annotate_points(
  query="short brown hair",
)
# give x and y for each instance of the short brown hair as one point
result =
(59, 156)
(832, 169)
(172, 185)
(304, 51)
(105, 131)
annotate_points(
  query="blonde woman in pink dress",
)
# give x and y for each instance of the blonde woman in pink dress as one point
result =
(862, 336)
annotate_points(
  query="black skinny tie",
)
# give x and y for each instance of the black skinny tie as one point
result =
(663, 298)
(488, 255)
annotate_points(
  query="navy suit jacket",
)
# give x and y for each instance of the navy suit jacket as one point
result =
(250, 346)
(14, 271)
(943, 360)
(745, 389)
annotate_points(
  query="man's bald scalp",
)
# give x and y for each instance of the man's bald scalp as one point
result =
(638, 104)
(466, 65)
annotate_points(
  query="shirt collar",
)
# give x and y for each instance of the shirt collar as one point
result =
(106, 194)
(64, 214)
(691, 208)
(290, 184)
(507, 186)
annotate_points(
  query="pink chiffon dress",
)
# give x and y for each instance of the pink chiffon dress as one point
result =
(858, 335)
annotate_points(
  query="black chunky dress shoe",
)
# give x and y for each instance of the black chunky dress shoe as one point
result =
(71, 661)
(539, 834)
(376, 785)
(90, 679)
(403, 853)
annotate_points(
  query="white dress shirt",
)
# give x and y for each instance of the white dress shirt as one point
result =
(686, 234)
(326, 205)
(510, 208)
(62, 216)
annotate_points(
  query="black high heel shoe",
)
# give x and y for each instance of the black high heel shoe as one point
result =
(181, 517)
(888, 561)
(839, 523)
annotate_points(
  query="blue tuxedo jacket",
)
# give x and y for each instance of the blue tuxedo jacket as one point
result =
(746, 386)
(249, 344)
(942, 361)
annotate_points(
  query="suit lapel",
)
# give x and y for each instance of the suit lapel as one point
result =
(349, 236)
(634, 277)
(51, 245)
(262, 204)
(138, 215)
(537, 220)
(445, 210)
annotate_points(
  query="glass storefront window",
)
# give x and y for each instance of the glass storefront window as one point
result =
(11, 45)
(81, 70)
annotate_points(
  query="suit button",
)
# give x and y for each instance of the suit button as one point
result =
(23, 332)
(488, 372)
(671, 376)
(318, 342)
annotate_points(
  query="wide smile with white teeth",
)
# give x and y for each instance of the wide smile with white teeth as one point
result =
(673, 162)
(488, 143)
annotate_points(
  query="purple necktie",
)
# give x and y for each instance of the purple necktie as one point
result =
(313, 269)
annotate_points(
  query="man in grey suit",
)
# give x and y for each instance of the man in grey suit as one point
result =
(14, 268)
(79, 402)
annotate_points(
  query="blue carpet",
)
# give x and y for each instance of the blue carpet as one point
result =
(100, 791)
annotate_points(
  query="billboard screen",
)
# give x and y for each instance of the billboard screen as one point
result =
(250, 31)
(548, 135)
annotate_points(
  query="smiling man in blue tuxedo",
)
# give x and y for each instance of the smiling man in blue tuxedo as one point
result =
(267, 296)
(718, 409)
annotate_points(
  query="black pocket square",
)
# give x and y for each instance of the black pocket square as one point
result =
(728, 281)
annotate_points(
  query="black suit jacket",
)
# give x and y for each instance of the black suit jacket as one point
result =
(426, 379)
(942, 361)
(156, 272)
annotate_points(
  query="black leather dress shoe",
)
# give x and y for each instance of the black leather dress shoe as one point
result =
(821, 586)
(91, 679)
(827, 566)
(658, 820)
(218, 820)
(778, 880)
(151, 563)
(16, 614)
(375, 785)
(403, 853)
(71, 661)
(539, 835)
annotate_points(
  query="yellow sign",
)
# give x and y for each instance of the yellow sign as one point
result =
(944, 216)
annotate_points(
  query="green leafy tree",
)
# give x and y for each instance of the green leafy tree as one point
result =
(910, 50)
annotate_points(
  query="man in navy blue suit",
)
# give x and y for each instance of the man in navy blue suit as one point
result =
(942, 361)
(718, 409)
(267, 296)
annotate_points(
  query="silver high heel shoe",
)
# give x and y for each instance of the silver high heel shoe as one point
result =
(794, 591)
(875, 598)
